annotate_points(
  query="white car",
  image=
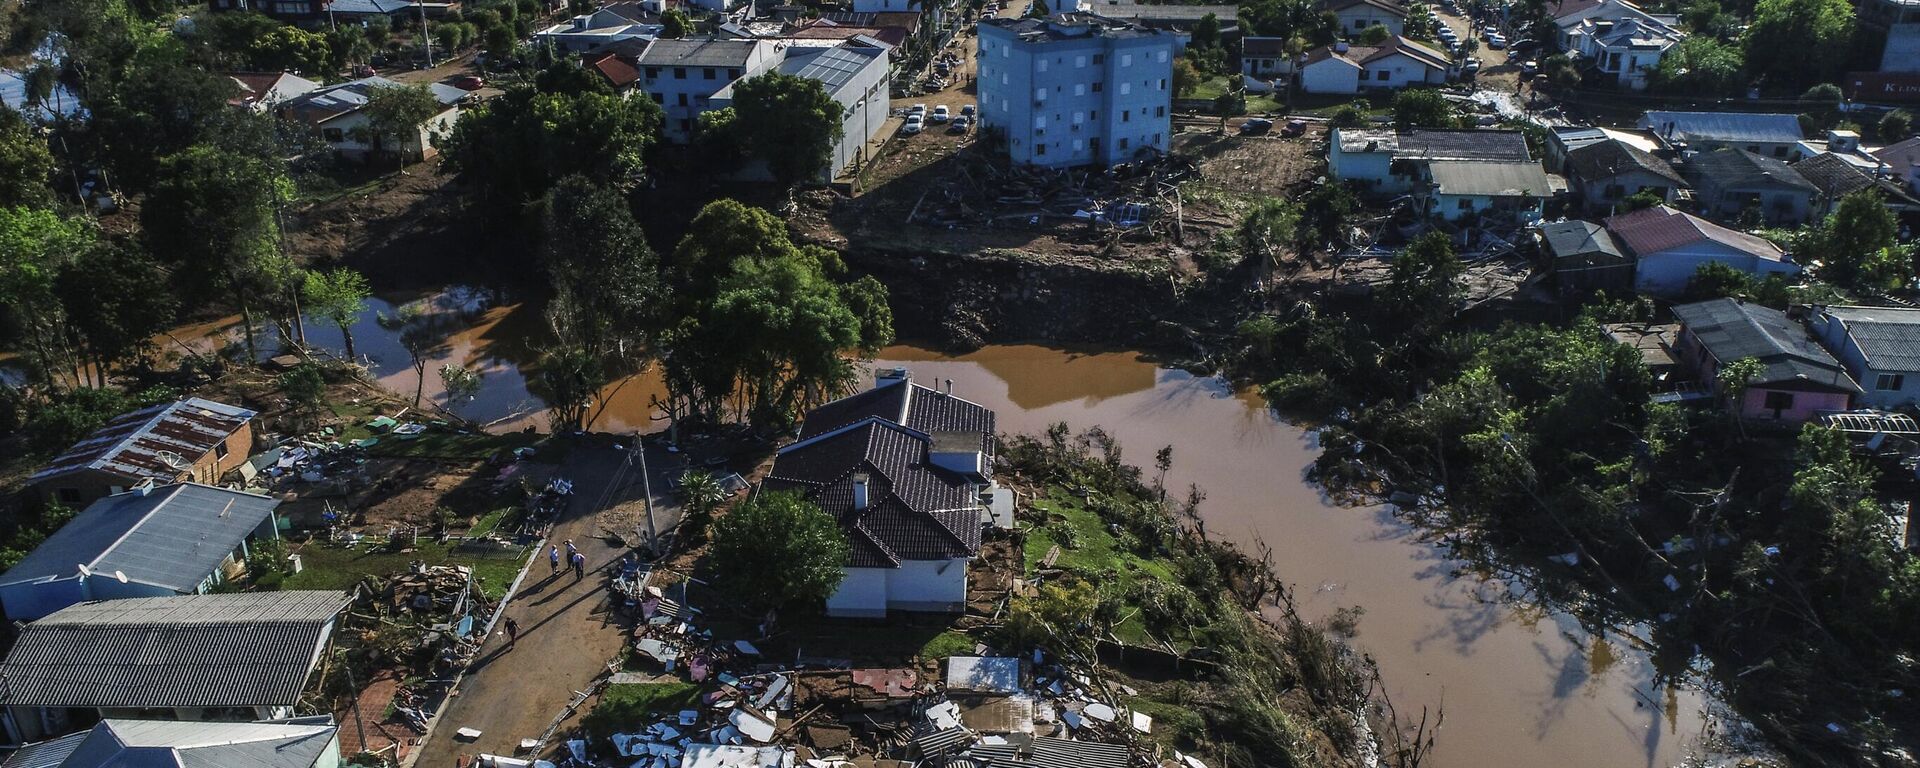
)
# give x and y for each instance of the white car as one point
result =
(917, 109)
(915, 124)
(940, 115)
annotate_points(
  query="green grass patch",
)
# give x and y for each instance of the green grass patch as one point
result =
(440, 444)
(629, 706)
(947, 644)
(1173, 725)
(1089, 548)
(331, 567)
(1211, 88)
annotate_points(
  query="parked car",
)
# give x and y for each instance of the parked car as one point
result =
(467, 82)
(917, 109)
(1528, 45)
(1497, 42)
(1471, 68)
(960, 124)
(966, 111)
(1256, 126)
(1489, 31)
(940, 115)
(915, 124)
(1529, 68)
(1295, 127)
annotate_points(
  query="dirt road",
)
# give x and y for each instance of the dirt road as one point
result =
(567, 635)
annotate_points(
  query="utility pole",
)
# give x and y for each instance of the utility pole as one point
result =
(425, 34)
(646, 485)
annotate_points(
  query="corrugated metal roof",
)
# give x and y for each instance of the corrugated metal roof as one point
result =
(699, 53)
(1732, 330)
(1493, 179)
(177, 744)
(1888, 336)
(1581, 243)
(235, 650)
(1729, 169)
(1653, 230)
(1724, 127)
(137, 445)
(1050, 752)
(173, 536)
(833, 67)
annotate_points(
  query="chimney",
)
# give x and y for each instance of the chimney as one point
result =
(143, 487)
(949, 387)
(860, 491)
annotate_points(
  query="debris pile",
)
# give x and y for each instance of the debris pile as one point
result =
(1126, 197)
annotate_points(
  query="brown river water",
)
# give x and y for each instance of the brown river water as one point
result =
(1520, 684)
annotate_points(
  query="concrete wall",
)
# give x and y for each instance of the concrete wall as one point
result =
(864, 106)
(1330, 76)
(346, 134)
(1776, 205)
(1456, 207)
(685, 92)
(862, 594)
(1090, 100)
(1666, 273)
(1805, 405)
(1398, 71)
(934, 586)
(1598, 196)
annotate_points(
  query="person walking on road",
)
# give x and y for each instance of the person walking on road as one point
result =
(571, 550)
(579, 566)
(513, 634)
(553, 560)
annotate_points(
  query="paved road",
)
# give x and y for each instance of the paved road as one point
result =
(566, 634)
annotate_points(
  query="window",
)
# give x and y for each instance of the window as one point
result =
(1466, 205)
(1890, 382)
(681, 99)
(1039, 94)
(1779, 401)
(68, 495)
(1126, 116)
(1076, 145)
(1159, 111)
(1080, 62)
(1098, 87)
(1040, 65)
(1040, 122)
(659, 98)
(333, 135)
(1382, 75)
(1040, 148)
(1079, 117)
(220, 451)
(1094, 116)
(679, 73)
(1779, 151)
(707, 73)
(1160, 56)
(1079, 89)
(1123, 143)
(1126, 88)
(1156, 139)
(734, 73)
(1099, 58)
(653, 73)
(686, 125)
(1126, 59)
(1163, 83)
(1003, 78)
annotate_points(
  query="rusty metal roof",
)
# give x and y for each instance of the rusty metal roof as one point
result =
(160, 442)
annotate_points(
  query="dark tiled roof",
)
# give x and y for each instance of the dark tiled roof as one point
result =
(1463, 145)
(1610, 158)
(1263, 47)
(137, 445)
(906, 403)
(1652, 230)
(1889, 337)
(915, 511)
(1732, 330)
(1832, 174)
(194, 651)
(1729, 168)
(173, 536)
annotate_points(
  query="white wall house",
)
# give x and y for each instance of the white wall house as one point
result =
(683, 76)
(1513, 191)
(1356, 15)
(1878, 347)
(856, 75)
(1670, 246)
(1397, 63)
(335, 114)
(592, 31)
(904, 468)
(1383, 162)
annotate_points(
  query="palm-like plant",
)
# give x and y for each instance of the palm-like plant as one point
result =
(700, 494)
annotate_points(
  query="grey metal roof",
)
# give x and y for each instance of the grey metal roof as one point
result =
(1421, 144)
(1724, 127)
(46, 754)
(234, 650)
(172, 536)
(1729, 168)
(699, 53)
(1889, 337)
(335, 100)
(1050, 752)
(177, 744)
(136, 445)
(1609, 158)
(1577, 244)
(1493, 179)
(1731, 330)
(833, 67)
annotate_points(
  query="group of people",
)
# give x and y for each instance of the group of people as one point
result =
(575, 560)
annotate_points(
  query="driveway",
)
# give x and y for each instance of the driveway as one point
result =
(567, 635)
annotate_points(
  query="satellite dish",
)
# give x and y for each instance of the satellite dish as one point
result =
(172, 459)
(121, 575)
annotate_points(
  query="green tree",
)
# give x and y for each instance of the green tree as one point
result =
(25, 164)
(1039, 9)
(1735, 377)
(700, 496)
(305, 386)
(36, 246)
(778, 550)
(115, 301)
(212, 216)
(1823, 102)
(348, 46)
(675, 24)
(339, 296)
(1797, 42)
(608, 302)
(717, 141)
(288, 48)
(397, 113)
(566, 77)
(513, 148)
(1424, 286)
(1894, 127)
(1206, 33)
(1715, 279)
(1229, 105)
(1266, 229)
(460, 382)
(1422, 108)
(1705, 19)
(1853, 244)
(1374, 34)
(1185, 77)
(790, 123)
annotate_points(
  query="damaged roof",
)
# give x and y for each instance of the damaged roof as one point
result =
(139, 445)
(252, 649)
(172, 537)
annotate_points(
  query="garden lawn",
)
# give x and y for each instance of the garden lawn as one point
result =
(325, 566)
(1097, 556)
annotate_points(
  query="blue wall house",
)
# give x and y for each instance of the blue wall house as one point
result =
(1671, 246)
(1076, 89)
(152, 541)
(237, 657)
(1880, 346)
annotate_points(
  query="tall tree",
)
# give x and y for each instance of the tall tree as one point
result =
(790, 123)
(1422, 108)
(778, 550)
(1796, 42)
(606, 309)
(116, 301)
(338, 295)
(513, 148)
(675, 24)
(25, 163)
(1856, 244)
(212, 216)
(1424, 286)
(36, 245)
(396, 114)
(1701, 65)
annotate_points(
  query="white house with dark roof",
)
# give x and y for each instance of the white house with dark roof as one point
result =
(1604, 173)
(1386, 162)
(1615, 38)
(1727, 182)
(233, 657)
(303, 743)
(596, 30)
(1394, 64)
(683, 76)
(906, 469)
(337, 115)
(152, 541)
(1880, 346)
(1356, 15)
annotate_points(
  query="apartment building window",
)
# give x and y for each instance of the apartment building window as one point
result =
(1094, 116)
(653, 73)
(686, 125)
(1163, 83)
(1003, 78)
(1126, 59)
(1126, 88)
(1079, 89)
(1079, 117)
(1160, 57)
(1156, 139)
(679, 73)
(1039, 122)
(659, 98)
(1076, 145)
(1126, 116)
(1159, 111)
(1097, 87)
(1080, 62)
(1039, 94)
(681, 99)
(708, 73)
(1099, 58)
(1040, 148)
(1123, 143)
(1890, 382)
(1040, 65)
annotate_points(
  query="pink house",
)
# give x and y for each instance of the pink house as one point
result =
(1798, 379)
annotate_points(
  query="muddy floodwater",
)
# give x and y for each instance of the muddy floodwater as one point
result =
(1520, 685)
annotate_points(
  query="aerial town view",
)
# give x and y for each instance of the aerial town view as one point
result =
(959, 383)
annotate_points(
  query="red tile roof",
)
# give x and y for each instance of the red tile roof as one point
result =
(616, 70)
(1659, 229)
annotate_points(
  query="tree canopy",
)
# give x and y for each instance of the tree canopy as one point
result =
(1701, 65)
(510, 150)
(213, 216)
(25, 163)
(791, 123)
(608, 302)
(778, 550)
(1793, 43)
(1422, 108)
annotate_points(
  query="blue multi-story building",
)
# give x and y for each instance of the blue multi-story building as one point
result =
(1076, 89)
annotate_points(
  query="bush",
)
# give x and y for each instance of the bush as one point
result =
(1310, 392)
(1347, 116)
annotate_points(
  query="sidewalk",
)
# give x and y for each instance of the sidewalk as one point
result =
(566, 633)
